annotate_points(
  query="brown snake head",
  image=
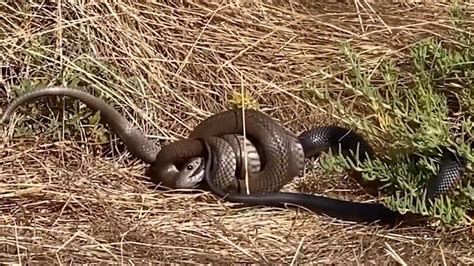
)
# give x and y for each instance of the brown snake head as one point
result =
(189, 174)
(179, 164)
(183, 176)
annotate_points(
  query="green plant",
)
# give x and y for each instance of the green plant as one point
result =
(414, 116)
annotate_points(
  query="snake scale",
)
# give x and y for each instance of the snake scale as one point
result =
(181, 164)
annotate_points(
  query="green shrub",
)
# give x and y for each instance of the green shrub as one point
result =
(413, 116)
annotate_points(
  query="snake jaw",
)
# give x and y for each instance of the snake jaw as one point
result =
(186, 175)
(191, 175)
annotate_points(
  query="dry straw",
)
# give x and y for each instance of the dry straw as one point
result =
(166, 66)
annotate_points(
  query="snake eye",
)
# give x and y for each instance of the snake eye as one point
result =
(189, 167)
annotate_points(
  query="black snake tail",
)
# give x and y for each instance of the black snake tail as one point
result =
(354, 146)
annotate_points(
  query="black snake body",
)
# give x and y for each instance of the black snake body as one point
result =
(315, 141)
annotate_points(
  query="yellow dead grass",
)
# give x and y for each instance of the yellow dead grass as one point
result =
(167, 66)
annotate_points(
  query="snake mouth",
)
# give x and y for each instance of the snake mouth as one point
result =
(194, 180)
(198, 175)
(197, 179)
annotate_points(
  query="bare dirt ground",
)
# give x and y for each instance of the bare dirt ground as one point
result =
(66, 197)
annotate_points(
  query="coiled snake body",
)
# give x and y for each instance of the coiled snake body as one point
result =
(281, 153)
(284, 156)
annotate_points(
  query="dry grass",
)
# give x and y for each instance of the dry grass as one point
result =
(167, 66)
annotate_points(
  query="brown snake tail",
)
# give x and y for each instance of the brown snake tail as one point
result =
(135, 140)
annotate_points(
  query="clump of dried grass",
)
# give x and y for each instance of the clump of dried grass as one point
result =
(167, 66)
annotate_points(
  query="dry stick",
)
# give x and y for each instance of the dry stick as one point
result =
(242, 94)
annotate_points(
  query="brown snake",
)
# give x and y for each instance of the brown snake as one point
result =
(278, 145)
